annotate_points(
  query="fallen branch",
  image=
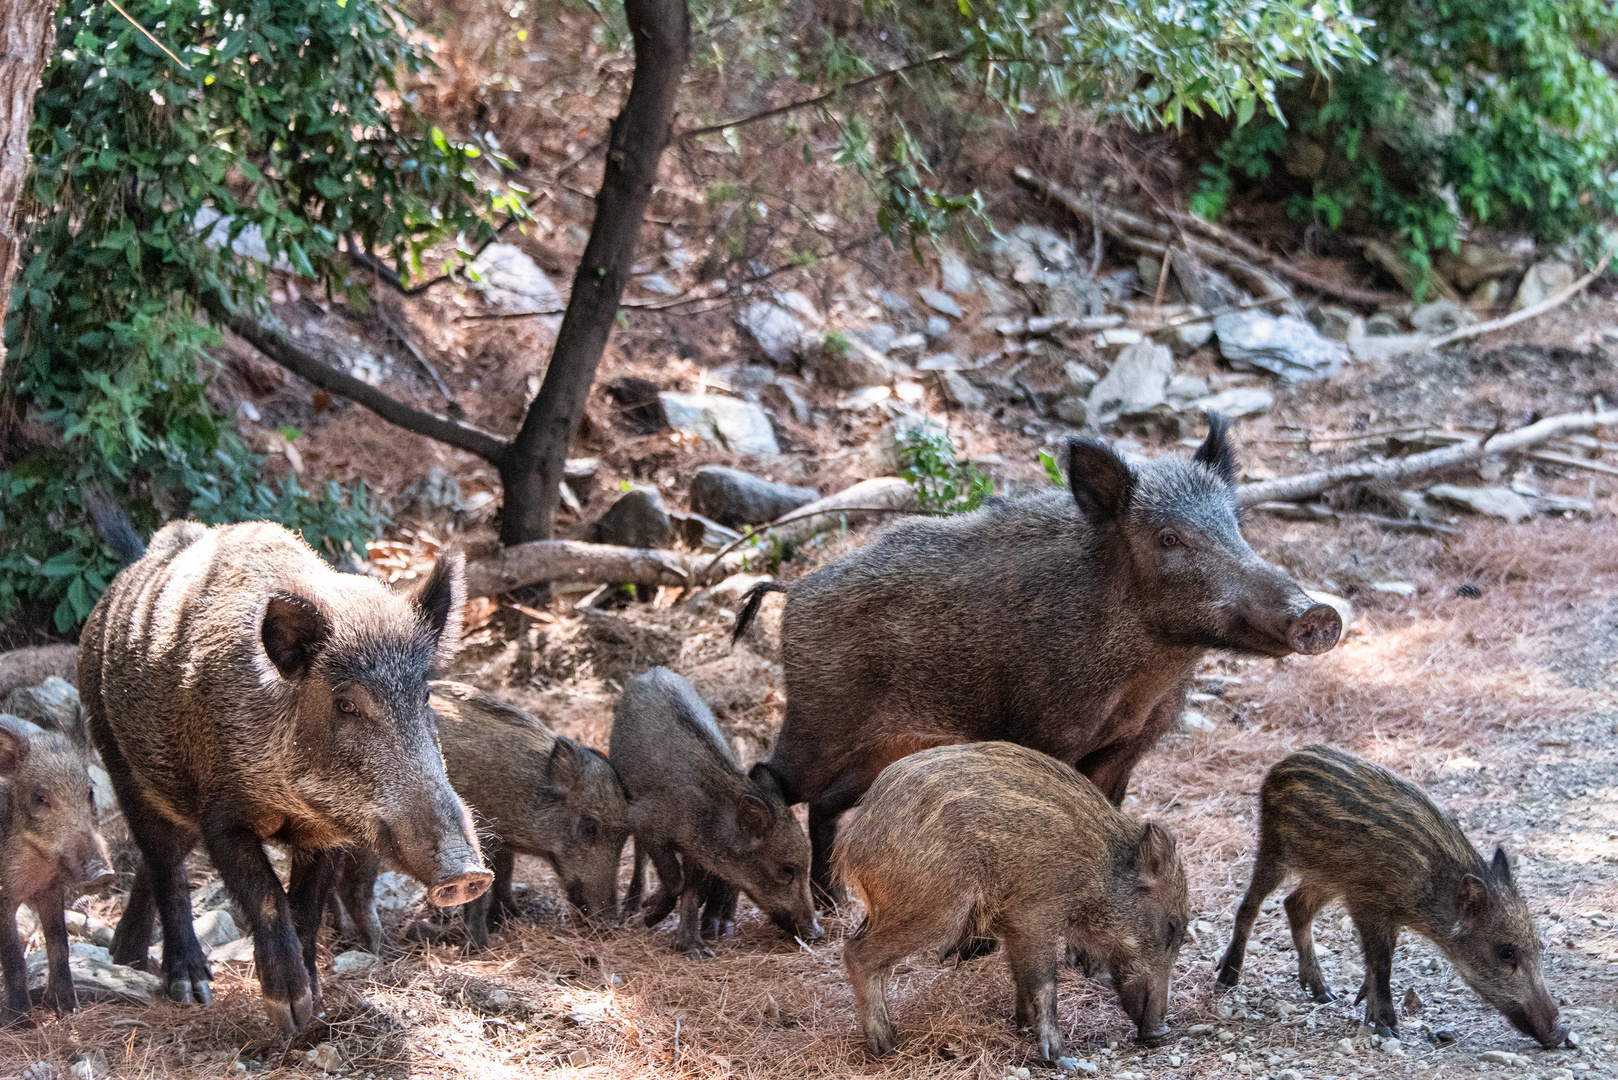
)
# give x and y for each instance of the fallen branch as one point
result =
(1247, 249)
(883, 495)
(1530, 312)
(1307, 485)
(1551, 457)
(571, 560)
(1040, 325)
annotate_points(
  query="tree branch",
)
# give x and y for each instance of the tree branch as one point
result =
(473, 440)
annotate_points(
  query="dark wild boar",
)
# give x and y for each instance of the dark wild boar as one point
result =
(1355, 831)
(242, 691)
(699, 817)
(1069, 622)
(533, 792)
(32, 666)
(981, 839)
(50, 852)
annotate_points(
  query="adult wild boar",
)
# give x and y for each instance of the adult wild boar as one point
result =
(241, 691)
(1066, 622)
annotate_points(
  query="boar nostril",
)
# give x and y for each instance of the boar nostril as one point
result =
(1316, 630)
(461, 889)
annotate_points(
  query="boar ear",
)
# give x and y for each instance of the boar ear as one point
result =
(1502, 868)
(1472, 902)
(764, 782)
(1154, 854)
(294, 631)
(1101, 483)
(439, 599)
(752, 817)
(566, 766)
(1215, 451)
(15, 733)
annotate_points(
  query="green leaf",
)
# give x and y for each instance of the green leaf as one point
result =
(1052, 469)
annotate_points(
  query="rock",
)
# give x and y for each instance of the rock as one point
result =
(1561, 504)
(1133, 385)
(396, 892)
(96, 978)
(892, 301)
(1488, 293)
(959, 391)
(865, 398)
(40, 1070)
(941, 302)
(1382, 324)
(879, 336)
(435, 490)
(1073, 410)
(1543, 281)
(1498, 1057)
(1119, 335)
(698, 532)
(1412, 1004)
(578, 1059)
(1333, 321)
(1395, 588)
(638, 519)
(739, 426)
(324, 1057)
(54, 705)
(1071, 295)
(1290, 348)
(1001, 302)
(239, 951)
(1188, 337)
(1182, 390)
(787, 395)
(937, 328)
(1237, 402)
(1475, 264)
(1371, 348)
(1440, 317)
(91, 1066)
(955, 275)
(658, 283)
(1024, 254)
(736, 498)
(907, 348)
(509, 279)
(215, 928)
(793, 300)
(853, 365)
(1191, 720)
(1491, 501)
(354, 962)
(1078, 379)
(776, 330)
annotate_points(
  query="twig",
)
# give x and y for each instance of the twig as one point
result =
(767, 526)
(183, 65)
(1306, 485)
(1572, 462)
(1163, 278)
(1532, 311)
(1281, 266)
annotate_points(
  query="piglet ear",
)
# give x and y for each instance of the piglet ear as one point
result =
(764, 782)
(1154, 854)
(1472, 902)
(15, 734)
(1101, 483)
(565, 770)
(1502, 868)
(752, 817)
(294, 631)
(1215, 451)
(438, 600)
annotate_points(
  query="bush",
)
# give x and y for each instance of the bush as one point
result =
(1487, 111)
(941, 482)
(273, 124)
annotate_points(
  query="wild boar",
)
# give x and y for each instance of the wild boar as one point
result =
(1069, 622)
(1355, 831)
(50, 852)
(993, 839)
(241, 691)
(695, 813)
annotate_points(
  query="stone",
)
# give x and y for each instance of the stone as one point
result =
(433, 491)
(1188, 337)
(1133, 385)
(1498, 1057)
(96, 978)
(1382, 324)
(239, 951)
(1333, 321)
(961, 392)
(879, 336)
(1440, 317)
(892, 301)
(937, 328)
(1119, 335)
(734, 498)
(907, 348)
(850, 366)
(1026, 251)
(1394, 588)
(1001, 301)
(1237, 402)
(865, 398)
(1490, 501)
(53, 705)
(941, 302)
(638, 520)
(955, 275)
(1488, 294)
(324, 1057)
(1071, 295)
(1373, 348)
(91, 1066)
(1073, 410)
(396, 892)
(1078, 379)
(658, 283)
(1182, 390)
(215, 928)
(775, 330)
(1562, 504)
(1543, 281)
(354, 962)
(787, 395)
(40, 1070)
(793, 300)
(940, 362)
(510, 279)
(1285, 346)
(739, 426)
(1191, 720)
(1475, 264)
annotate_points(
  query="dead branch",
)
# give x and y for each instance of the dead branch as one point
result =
(883, 495)
(1307, 485)
(1040, 325)
(1530, 312)
(1249, 250)
(1551, 457)
(574, 561)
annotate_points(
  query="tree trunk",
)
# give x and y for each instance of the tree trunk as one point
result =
(27, 36)
(531, 469)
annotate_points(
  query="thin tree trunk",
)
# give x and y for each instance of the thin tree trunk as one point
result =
(531, 469)
(27, 36)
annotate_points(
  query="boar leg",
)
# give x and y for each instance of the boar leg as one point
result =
(163, 848)
(59, 994)
(313, 873)
(671, 883)
(1302, 907)
(869, 956)
(1378, 936)
(283, 978)
(132, 941)
(637, 883)
(1267, 876)
(824, 810)
(502, 904)
(14, 1009)
(356, 897)
(1109, 767)
(1034, 959)
(689, 938)
(719, 908)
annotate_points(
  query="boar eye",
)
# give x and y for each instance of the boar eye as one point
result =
(346, 705)
(1168, 539)
(42, 798)
(589, 828)
(787, 873)
(1508, 954)
(426, 696)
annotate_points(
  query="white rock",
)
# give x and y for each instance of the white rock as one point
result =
(509, 279)
(239, 951)
(215, 928)
(1498, 1057)
(739, 426)
(1371, 348)
(1073, 410)
(1288, 347)
(793, 300)
(1543, 281)
(961, 392)
(1491, 501)
(1118, 335)
(397, 892)
(1440, 317)
(1191, 720)
(776, 330)
(660, 284)
(96, 977)
(1190, 336)
(1078, 379)
(92, 1066)
(1397, 588)
(955, 274)
(1134, 384)
(1237, 402)
(866, 397)
(248, 242)
(353, 962)
(941, 302)
(940, 362)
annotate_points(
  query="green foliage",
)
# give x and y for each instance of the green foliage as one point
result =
(1048, 461)
(274, 125)
(837, 343)
(1490, 111)
(941, 482)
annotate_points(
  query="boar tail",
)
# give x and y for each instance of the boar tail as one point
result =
(753, 597)
(113, 525)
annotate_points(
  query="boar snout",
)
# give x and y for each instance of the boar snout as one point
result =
(794, 923)
(90, 867)
(1315, 631)
(595, 904)
(1538, 1020)
(97, 875)
(1147, 1004)
(461, 878)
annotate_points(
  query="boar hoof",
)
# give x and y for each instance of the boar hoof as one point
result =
(1066, 1064)
(187, 992)
(697, 951)
(1386, 1031)
(1325, 996)
(880, 1042)
(1229, 976)
(1153, 1038)
(289, 1017)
